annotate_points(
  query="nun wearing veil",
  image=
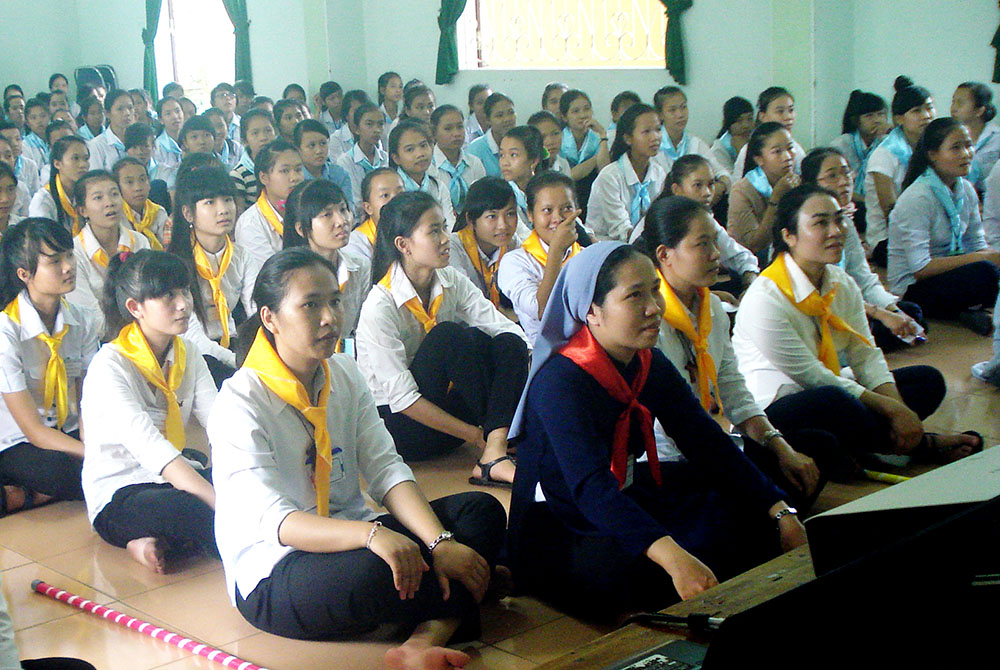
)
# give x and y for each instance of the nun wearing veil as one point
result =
(594, 529)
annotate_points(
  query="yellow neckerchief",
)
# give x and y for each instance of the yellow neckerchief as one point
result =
(276, 376)
(272, 217)
(204, 267)
(133, 345)
(368, 230)
(101, 256)
(488, 272)
(56, 388)
(816, 306)
(427, 319)
(144, 225)
(533, 245)
(677, 317)
(67, 206)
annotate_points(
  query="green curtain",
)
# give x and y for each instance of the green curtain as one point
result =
(148, 52)
(675, 39)
(237, 10)
(996, 61)
(447, 63)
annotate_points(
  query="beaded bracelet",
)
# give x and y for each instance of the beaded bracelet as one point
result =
(371, 535)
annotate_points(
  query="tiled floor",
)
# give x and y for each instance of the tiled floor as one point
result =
(56, 543)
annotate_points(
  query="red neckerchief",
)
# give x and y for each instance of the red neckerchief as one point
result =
(585, 351)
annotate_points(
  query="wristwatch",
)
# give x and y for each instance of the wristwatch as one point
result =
(766, 439)
(443, 537)
(785, 512)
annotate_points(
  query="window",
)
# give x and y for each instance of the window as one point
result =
(195, 46)
(561, 34)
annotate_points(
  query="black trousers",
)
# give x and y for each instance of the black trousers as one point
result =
(311, 596)
(180, 519)
(858, 429)
(53, 473)
(220, 371)
(884, 338)
(948, 294)
(817, 444)
(56, 664)
(591, 576)
(470, 375)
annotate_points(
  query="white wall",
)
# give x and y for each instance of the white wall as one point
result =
(116, 42)
(833, 47)
(39, 38)
(277, 45)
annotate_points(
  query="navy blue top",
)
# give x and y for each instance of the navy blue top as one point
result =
(568, 432)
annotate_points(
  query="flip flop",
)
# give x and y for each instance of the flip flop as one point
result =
(486, 479)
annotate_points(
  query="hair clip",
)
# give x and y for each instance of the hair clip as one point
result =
(123, 256)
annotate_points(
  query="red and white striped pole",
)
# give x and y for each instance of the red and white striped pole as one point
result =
(187, 644)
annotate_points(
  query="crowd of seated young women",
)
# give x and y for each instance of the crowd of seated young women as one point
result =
(338, 287)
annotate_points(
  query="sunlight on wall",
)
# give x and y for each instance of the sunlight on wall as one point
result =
(203, 44)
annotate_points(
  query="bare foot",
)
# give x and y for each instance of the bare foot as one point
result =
(417, 656)
(148, 551)
(956, 447)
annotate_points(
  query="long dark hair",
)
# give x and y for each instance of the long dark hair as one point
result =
(307, 201)
(59, 150)
(398, 218)
(21, 247)
(667, 223)
(931, 140)
(908, 95)
(788, 212)
(142, 276)
(732, 110)
(626, 126)
(769, 95)
(982, 96)
(383, 81)
(859, 104)
(531, 139)
(756, 143)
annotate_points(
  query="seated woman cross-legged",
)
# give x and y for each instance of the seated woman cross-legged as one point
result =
(591, 528)
(292, 432)
(802, 317)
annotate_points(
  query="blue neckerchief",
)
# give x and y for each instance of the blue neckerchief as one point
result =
(667, 146)
(863, 156)
(151, 168)
(640, 191)
(591, 144)
(365, 164)
(224, 155)
(520, 199)
(611, 127)
(458, 186)
(246, 161)
(113, 140)
(168, 144)
(895, 142)
(85, 133)
(33, 140)
(953, 202)
(759, 181)
(481, 149)
(233, 132)
(975, 172)
(727, 144)
(411, 185)
(18, 164)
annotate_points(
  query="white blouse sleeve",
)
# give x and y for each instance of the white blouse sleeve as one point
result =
(607, 209)
(479, 312)
(735, 256)
(207, 346)
(519, 284)
(991, 208)
(204, 386)
(381, 347)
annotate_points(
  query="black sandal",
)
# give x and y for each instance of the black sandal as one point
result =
(29, 500)
(486, 479)
(932, 452)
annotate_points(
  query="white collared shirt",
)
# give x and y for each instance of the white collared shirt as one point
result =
(351, 162)
(24, 358)
(518, 277)
(237, 284)
(89, 291)
(359, 245)
(721, 155)
(777, 345)
(738, 403)
(341, 141)
(473, 173)
(43, 204)
(22, 201)
(734, 257)
(991, 208)
(561, 165)
(856, 265)
(883, 162)
(388, 335)
(259, 450)
(168, 157)
(354, 276)
(257, 237)
(126, 417)
(460, 260)
(987, 153)
(105, 150)
(920, 230)
(696, 145)
(28, 177)
(472, 128)
(437, 189)
(608, 210)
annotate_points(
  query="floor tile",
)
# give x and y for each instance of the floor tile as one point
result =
(493, 658)
(109, 569)
(28, 608)
(552, 640)
(11, 559)
(278, 653)
(513, 616)
(48, 530)
(450, 474)
(198, 607)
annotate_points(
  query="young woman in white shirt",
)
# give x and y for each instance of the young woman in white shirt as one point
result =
(627, 186)
(410, 149)
(390, 93)
(457, 168)
(477, 122)
(278, 167)
(521, 159)
(584, 142)
(550, 128)
(679, 237)
(167, 150)
(527, 274)
(889, 317)
(366, 154)
(753, 201)
(70, 161)
(144, 215)
(377, 188)
(444, 365)
(912, 109)
(225, 271)
(499, 109)
(551, 96)
(103, 233)
(774, 104)
(90, 122)
(8, 198)
(46, 345)
(312, 140)
(486, 230)
(863, 128)
(304, 556)
(318, 216)
(671, 104)
(287, 114)
(256, 132)
(145, 492)
(418, 103)
(972, 104)
(802, 318)
(938, 256)
(737, 124)
(109, 146)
